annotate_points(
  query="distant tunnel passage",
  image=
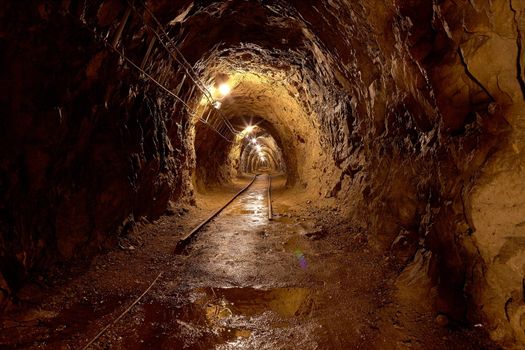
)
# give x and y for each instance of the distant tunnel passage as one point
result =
(401, 118)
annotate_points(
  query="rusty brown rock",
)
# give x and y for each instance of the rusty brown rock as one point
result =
(408, 111)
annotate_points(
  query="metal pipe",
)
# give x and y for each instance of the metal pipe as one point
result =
(120, 28)
(151, 79)
(148, 52)
(184, 63)
(181, 84)
(208, 115)
(123, 313)
(214, 129)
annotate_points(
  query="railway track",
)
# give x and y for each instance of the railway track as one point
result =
(186, 240)
(269, 197)
(183, 243)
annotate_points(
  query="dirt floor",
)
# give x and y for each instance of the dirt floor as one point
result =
(305, 280)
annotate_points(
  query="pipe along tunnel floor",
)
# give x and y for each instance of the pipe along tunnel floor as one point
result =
(305, 280)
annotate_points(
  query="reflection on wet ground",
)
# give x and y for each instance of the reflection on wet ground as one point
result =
(206, 318)
(244, 283)
(285, 302)
(238, 288)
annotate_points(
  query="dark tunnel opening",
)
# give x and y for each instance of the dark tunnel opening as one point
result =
(261, 153)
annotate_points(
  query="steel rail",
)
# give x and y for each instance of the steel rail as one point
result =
(183, 242)
(269, 196)
(181, 245)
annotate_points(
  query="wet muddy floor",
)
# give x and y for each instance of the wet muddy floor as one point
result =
(300, 281)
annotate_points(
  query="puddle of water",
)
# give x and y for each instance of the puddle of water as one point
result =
(246, 211)
(283, 219)
(286, 302)
(157, 325)
(209, 318)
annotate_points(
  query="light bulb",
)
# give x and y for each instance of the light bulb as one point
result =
(224, 89)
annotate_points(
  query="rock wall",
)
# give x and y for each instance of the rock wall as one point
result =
(408, 111)
(436, 142)
(86, 147)
(492, 45)
(404, 110)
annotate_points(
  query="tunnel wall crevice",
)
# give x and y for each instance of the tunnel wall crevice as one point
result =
(409, 111)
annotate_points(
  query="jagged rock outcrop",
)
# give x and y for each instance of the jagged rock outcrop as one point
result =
(410, 111)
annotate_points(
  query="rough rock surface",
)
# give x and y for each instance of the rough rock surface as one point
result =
(87, 147)
(408, 111)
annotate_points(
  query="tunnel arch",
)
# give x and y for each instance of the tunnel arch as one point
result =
(388, 108)
(265, 148)
(261, 143)
(280, 110)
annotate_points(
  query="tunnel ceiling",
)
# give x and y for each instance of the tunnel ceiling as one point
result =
(406, 115)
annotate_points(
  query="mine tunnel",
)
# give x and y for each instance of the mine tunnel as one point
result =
(262, 174)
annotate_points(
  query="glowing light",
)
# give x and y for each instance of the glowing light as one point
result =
(215, 93)
(249, 129)
(258, 148)
(254, 141)
(217, 104)
(224, 89)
